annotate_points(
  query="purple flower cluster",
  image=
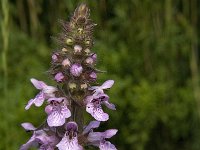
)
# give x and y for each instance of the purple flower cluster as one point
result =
(73, 68)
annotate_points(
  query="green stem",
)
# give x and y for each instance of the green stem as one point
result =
(77, 114)
(5, 35)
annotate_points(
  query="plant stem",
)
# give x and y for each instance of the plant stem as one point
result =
(77, 114)
(5, 35)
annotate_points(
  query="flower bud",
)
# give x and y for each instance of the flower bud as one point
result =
(83, 86)
(77, 49)
(87, 42)
(94, 57)
(69, 41)
(76, 70)
(80, 30)
(66, 62)
(59, 77)
(71, 126)
(87, 51)
(93, 76)
(64, 49)
(89, 60)
(72, 85)
(55, 57)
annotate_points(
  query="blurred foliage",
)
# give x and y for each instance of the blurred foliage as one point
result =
(150, 48)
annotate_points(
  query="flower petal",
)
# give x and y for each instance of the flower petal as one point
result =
(31, 143)
(49, 91)
(107, 146)
(38, 100)
(46, 147)
(97, 112)
(67, 144)
(30, 102)
(28, 126)
(38, 84)
(93, 87)
(109, 105)
(102, 97)
(107, 84)
(88, 99)
(109, 133)
(92, 125)
(48, 109)
(95, 137)
(58, 115)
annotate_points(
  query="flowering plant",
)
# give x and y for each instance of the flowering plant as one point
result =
(73, 69)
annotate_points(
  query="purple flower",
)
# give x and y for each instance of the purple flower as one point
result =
(59, 76)
(46, 92)
(93, 106)
(70, 140)
(39, 139)
(76, 70)
(98, 139)
(99, 89)
(57, 111)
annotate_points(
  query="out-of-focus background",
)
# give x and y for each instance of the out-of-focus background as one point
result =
(149, 47)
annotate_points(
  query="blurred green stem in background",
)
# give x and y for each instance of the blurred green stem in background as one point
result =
(194, 55)
(5, 38)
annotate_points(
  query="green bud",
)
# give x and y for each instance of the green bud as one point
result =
(64, 50)
(87, 42)
(80, 30)
(72, 86)
(87, 51)
(69, 41)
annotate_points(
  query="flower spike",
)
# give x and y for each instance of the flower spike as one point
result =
(73, 70)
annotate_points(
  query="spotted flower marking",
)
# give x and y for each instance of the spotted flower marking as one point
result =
(93, 106)
(57, 111)
(70, 140)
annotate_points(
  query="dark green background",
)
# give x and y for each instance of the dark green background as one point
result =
(149, 47)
